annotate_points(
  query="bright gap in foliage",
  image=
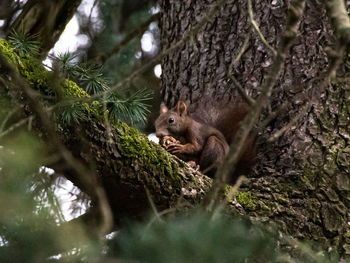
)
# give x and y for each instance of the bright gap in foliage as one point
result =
(68, 196)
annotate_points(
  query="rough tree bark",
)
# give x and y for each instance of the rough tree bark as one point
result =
(301, 180)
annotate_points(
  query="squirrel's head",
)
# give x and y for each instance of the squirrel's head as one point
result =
(171, 122)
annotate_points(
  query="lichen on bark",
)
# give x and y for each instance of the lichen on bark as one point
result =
(133, 144)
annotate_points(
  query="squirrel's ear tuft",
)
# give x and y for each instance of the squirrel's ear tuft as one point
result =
(163, 108)
(181, 108)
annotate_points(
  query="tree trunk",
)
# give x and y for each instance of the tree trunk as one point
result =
(301, 180)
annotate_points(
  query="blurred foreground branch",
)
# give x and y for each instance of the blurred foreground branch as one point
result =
(86, 176)
(135, 33)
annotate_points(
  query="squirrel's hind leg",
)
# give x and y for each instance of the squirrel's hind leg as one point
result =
(213, 155)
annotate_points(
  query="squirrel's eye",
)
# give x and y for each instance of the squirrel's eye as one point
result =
(171, 120)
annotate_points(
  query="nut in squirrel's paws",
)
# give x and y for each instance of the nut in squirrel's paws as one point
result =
(168, 141)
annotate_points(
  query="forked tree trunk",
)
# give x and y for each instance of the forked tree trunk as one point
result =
(301, 180)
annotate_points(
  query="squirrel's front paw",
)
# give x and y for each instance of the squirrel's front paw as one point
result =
(175, 149)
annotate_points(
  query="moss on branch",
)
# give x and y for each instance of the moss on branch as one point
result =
(155, 159)
(38, 77)
(132, 144)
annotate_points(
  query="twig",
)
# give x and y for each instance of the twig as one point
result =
(244, 47)
(136, 32)
(7, 117)
(304, 248)
(335, 59)
(250, 101)
(291, 123)
(234, 190)
(222, 175)
(14, 126)
(153, 206)
(273, 115)
(232, 193)
(90, 15)
(206, 18)
(255, 25)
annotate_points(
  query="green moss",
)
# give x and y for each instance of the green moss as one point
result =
(281, 198)
(72, 90)
(31, 68)
(246, 200)
(34, 71)
(264, 206)
(9, 53)
(227, 193)
(307, 178)
(347, 236)
(136, 145)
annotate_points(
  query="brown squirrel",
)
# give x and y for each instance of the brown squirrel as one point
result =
(207, 135)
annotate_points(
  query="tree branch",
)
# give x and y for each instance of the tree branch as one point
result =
(250, 101)
(255, 25)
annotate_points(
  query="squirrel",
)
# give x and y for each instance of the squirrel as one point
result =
(206, 135)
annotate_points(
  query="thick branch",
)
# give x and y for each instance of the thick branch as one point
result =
(124, 161)
(127, 163)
